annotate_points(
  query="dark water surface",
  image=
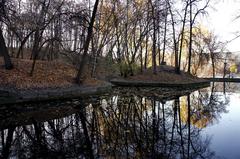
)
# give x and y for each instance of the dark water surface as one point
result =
(127, 123)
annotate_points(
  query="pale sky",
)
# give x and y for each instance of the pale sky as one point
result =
(221, 21)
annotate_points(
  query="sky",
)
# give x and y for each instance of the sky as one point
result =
(221, 20)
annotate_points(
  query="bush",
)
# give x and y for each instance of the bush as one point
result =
(128, 69)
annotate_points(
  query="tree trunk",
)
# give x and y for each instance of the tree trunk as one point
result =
(190, 39)
(213, 64)
(174, 40)
(146, 52)
(7, 146)
(35, 51)
(4, 52)
(87, 42)
(182, 36)
(154, 65)
(165, 36)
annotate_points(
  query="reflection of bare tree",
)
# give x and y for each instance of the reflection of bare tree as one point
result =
(6, 145)
(86, 134)
(137, 127)
(118, 126)
(208, 106)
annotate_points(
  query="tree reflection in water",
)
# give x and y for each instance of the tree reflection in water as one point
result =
(123, 125)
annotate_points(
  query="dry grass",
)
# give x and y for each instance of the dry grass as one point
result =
(46, 75)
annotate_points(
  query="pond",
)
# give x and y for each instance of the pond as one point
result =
(127, 123)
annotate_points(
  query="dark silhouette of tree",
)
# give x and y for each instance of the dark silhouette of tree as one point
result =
(3, 47)
(87, 42)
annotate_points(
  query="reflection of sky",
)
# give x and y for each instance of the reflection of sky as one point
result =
(226, 133)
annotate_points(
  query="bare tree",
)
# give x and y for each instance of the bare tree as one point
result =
(192, 19)
(87, 42)
(3, 47)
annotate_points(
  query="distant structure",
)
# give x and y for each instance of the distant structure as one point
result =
(233, 70)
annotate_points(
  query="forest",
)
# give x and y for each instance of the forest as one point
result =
(130, 36)
(118, 79)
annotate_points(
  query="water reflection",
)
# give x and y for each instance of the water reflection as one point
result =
(125, 124)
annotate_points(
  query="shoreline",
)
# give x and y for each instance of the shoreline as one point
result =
(35, 95)
(17, 96)
(138, 83)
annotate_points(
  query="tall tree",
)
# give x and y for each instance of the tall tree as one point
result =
(87, 42)
(190, 36)
(4, 52)
(154, 64)
(175, 42)
(192, 19)
(165, 33)
(182, 35)
(3, 47)
(43, 21)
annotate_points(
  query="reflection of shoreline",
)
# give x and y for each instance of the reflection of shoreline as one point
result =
(23, 114)
(25, 118)
(120, 125)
